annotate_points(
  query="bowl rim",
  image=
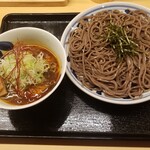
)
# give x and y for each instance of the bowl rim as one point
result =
(63, 68)
(69, 27)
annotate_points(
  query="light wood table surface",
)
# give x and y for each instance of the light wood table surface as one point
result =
(53, 144)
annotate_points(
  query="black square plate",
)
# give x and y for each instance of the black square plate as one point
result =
(70, 113)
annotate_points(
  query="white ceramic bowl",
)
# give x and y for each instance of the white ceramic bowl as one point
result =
(41, 37)
(122, 6)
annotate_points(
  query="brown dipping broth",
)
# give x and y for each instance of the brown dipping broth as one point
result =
(35, 92)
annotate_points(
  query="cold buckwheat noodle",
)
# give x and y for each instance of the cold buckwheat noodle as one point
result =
(94, 59)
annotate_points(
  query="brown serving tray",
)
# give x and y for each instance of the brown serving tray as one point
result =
(70, 113)
(33, 3)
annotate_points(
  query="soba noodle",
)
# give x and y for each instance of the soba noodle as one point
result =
(95, 63)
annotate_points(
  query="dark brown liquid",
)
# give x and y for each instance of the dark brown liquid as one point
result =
(32, 92)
